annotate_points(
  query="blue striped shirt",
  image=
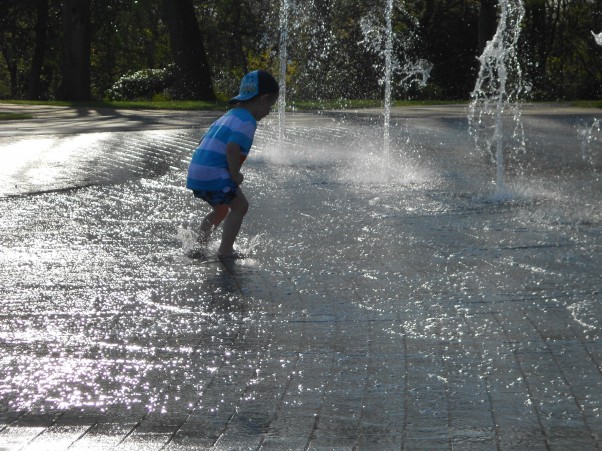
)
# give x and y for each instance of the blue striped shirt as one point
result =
(208, 169)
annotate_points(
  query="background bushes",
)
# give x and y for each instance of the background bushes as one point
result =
(144, 84)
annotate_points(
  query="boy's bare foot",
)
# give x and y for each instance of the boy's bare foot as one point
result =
(233, 255)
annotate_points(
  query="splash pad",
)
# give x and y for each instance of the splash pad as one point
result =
(400, 311)
(390, 301)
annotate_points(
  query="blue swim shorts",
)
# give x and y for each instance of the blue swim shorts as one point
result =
(214, 198)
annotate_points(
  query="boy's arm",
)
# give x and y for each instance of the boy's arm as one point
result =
(233, 153)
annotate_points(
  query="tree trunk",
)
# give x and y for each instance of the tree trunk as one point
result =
(192, 73)
(11, 65)
(76, 50)
(237, 35)
(536, 32)
(487, 22)
(34, 88)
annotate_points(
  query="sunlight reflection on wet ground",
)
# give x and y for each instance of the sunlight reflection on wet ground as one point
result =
(385, 304)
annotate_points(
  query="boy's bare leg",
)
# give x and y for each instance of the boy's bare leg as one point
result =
(206, 228)
(232, 223)
(211, 221)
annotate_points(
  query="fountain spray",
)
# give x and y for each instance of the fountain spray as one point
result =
(388, 73)
(284, 8)
(407, 70)
(498, 88)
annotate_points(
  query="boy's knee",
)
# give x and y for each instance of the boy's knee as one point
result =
(243, 207)
(219, 213)
(240, 205)
(240, 209)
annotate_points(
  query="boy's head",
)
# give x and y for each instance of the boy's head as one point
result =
(258, 92)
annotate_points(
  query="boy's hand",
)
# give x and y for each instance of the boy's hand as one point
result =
(238, 178)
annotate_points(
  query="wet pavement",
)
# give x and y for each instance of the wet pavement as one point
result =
(387, 303)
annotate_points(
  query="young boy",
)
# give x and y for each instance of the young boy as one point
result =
(214, 172)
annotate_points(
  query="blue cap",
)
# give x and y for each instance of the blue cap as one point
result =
(255, 83)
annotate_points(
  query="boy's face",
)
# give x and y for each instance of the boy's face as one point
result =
(265, 103)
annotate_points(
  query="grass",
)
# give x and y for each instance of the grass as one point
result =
(14, 116)
(338, 104)
(192, 105)
(198, 105)
(588, 103)
(355, 104)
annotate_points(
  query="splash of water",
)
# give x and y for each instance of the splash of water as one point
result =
(187, 238)
(388, 69)
(598, 38)
(388, 73)
(284, 9)
(382, 40)
(590, 135)
(498, 89)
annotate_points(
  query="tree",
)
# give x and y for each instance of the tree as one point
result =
(192, 72)
(128, 36)
(15, 22)
(561, 58)
(239, 35)
(34, 91)
(487, 22)
(450, 31)
(76, 50)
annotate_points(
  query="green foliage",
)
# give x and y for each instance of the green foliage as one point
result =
(143, 84)
(5, 88)
(560, 55)
(328, 53)
(16, 43)
(226, 83)
(129, 35)
(449, 32)
(14, 116)
(201, 105)
(588, 103)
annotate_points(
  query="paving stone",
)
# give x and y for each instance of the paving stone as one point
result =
(56, 437)
(102, 436)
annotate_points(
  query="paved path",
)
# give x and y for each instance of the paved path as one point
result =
(68, 120)
(418, 314)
